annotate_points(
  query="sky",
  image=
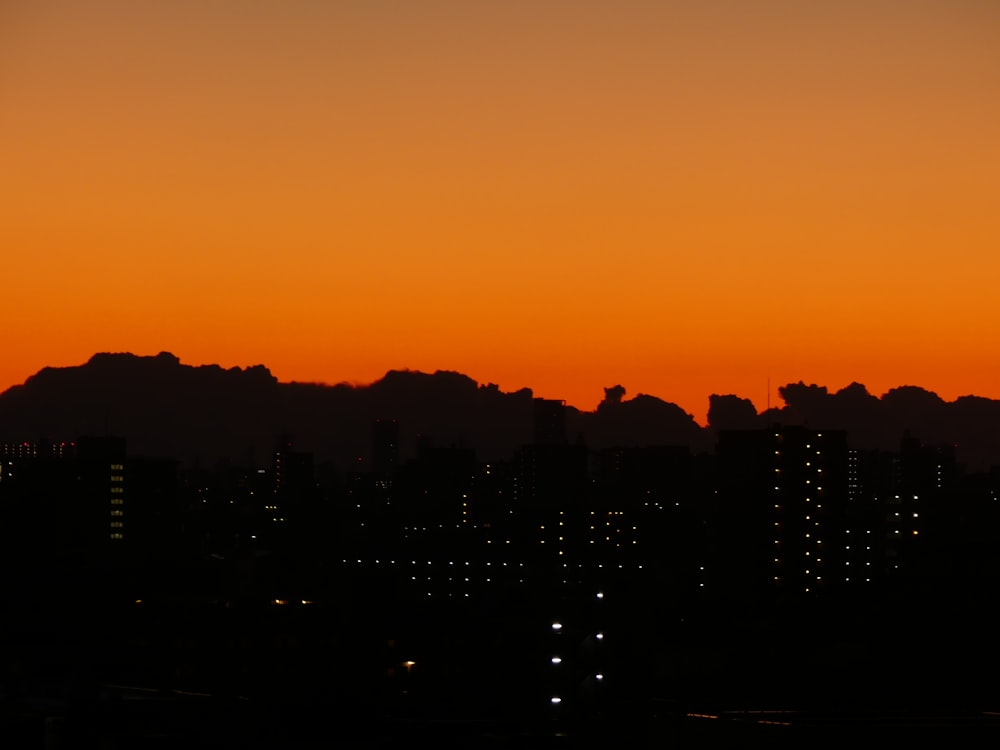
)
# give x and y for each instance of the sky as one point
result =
(685, 198)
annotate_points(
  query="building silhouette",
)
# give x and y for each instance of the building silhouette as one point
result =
(782, 510)
(550, 421)
(385, 448)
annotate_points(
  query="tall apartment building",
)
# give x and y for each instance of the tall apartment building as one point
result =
(782, 511)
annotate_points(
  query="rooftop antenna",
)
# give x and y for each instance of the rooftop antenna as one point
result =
(768, 393)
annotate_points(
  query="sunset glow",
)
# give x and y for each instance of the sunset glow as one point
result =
(682, 197)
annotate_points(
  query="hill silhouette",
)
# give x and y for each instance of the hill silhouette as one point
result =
(208, 413)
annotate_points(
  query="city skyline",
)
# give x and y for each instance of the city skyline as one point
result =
(683, 198)
(782, 578)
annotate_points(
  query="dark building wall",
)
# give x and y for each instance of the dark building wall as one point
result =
(385, 447)
(550, 422)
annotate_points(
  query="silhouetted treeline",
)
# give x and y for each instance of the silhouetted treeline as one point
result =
(204, 414)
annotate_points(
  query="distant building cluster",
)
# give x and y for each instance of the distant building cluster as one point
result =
(569, 548)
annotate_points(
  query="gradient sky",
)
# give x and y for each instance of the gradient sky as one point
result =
(682, 197)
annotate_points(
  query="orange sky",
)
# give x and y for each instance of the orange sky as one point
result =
(684, 198)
